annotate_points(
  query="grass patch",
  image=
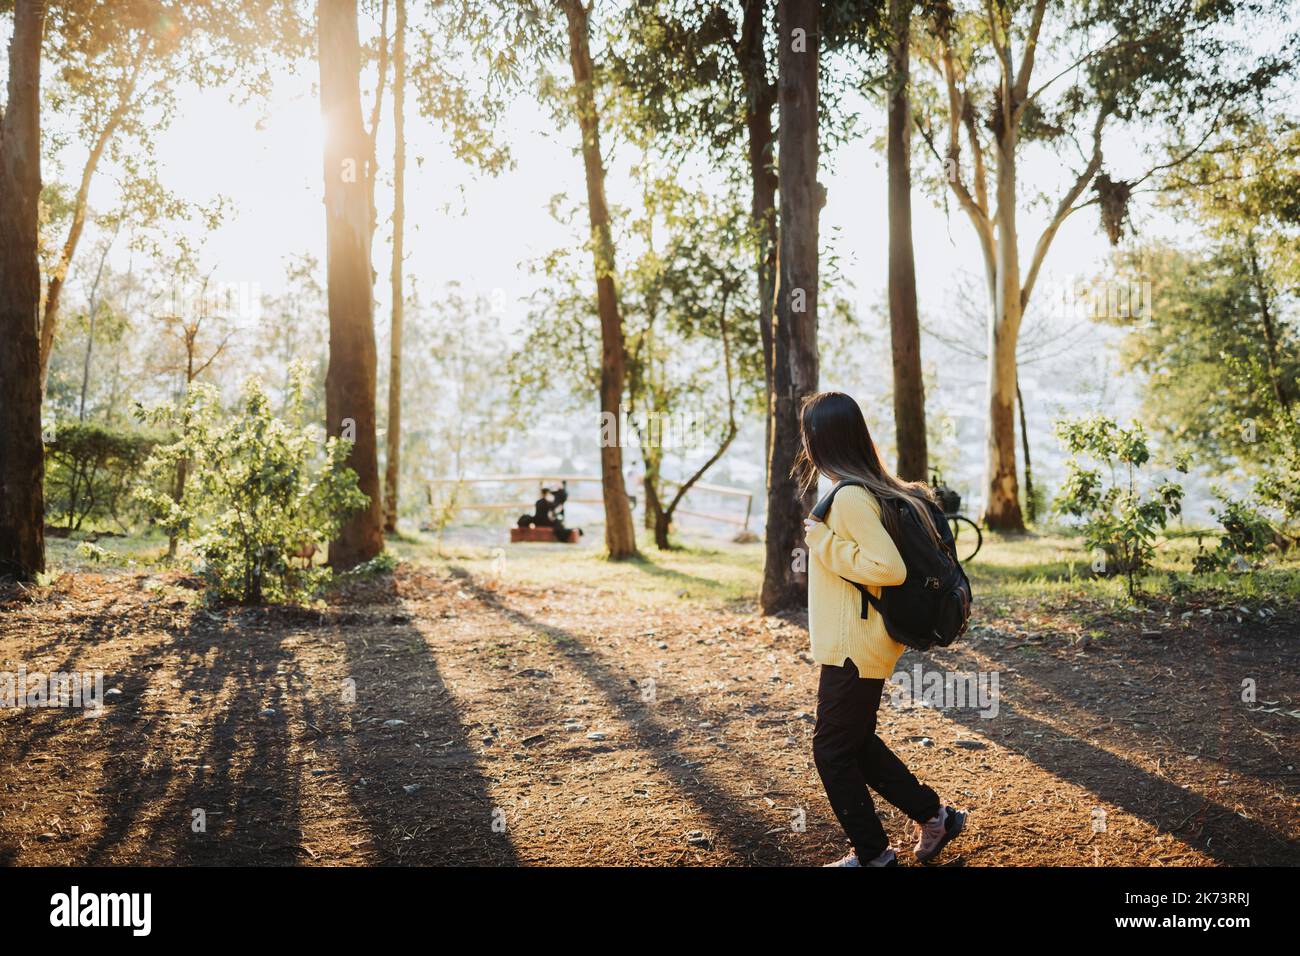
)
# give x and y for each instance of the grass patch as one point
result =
(1051, 565)
(121, 552)
(702, 570)
(713, 572)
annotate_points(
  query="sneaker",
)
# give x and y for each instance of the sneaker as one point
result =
(934, 834)
(887, 858)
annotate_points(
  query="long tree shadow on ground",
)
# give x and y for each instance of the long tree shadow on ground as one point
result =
(241, 800)
(1194, 719)
(418, 785)
(751, 834)
(233, 740)
(164, 792)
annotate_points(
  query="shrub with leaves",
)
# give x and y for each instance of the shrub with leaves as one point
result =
(260, 490)
(89, 471)
(1277, 433)
(1248, 528)
(1121, 518)
(1281, 488)
(1247, 536)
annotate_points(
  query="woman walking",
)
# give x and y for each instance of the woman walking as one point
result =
(855, 544)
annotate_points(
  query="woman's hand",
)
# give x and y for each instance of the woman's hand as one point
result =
(809, 523)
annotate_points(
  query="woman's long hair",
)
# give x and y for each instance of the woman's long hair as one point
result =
(837, 444)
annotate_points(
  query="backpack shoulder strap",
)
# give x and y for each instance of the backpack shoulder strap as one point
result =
(823, 507)
(820, 510)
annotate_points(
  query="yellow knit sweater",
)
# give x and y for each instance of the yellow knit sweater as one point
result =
(851, 543)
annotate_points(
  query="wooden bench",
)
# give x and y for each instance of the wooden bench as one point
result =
(518, 534)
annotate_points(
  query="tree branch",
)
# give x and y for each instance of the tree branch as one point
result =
(54, 291)
(1063, 210)
(1214, 126)
(977, 213)
(1027, 59)
(979, 172)
(372, 134)
(1004, 53)
(731, 414)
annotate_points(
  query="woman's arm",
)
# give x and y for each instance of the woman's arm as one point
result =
(862, 550)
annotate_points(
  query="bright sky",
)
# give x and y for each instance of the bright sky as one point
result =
(265, 158)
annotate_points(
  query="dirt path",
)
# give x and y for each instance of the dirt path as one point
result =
(433, 719)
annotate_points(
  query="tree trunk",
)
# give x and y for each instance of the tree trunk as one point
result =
(999, 242)
(655, 518)
(90, 333)
(659, 517)
(904, 319)
(376, 110)
(1271, 356)
(1002, 492)
(1031, 508)
(663, 524)
(54, 294)
(183, 464)
(652, 455)
(760, 98)
(22, 455)
(648, 484)
(85, 361)
(794, 330)
(178, 492)
(620, 532)
(350, 379)
(392, 465)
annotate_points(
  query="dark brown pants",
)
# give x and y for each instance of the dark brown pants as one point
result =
(850, 758)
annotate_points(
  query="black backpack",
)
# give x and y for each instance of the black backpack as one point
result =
(931, 608)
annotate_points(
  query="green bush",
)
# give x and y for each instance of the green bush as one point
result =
(1247, 536)
(89, 473)
(1118, 520)
(1277, 435)
(259, 490)
(1280, 487)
